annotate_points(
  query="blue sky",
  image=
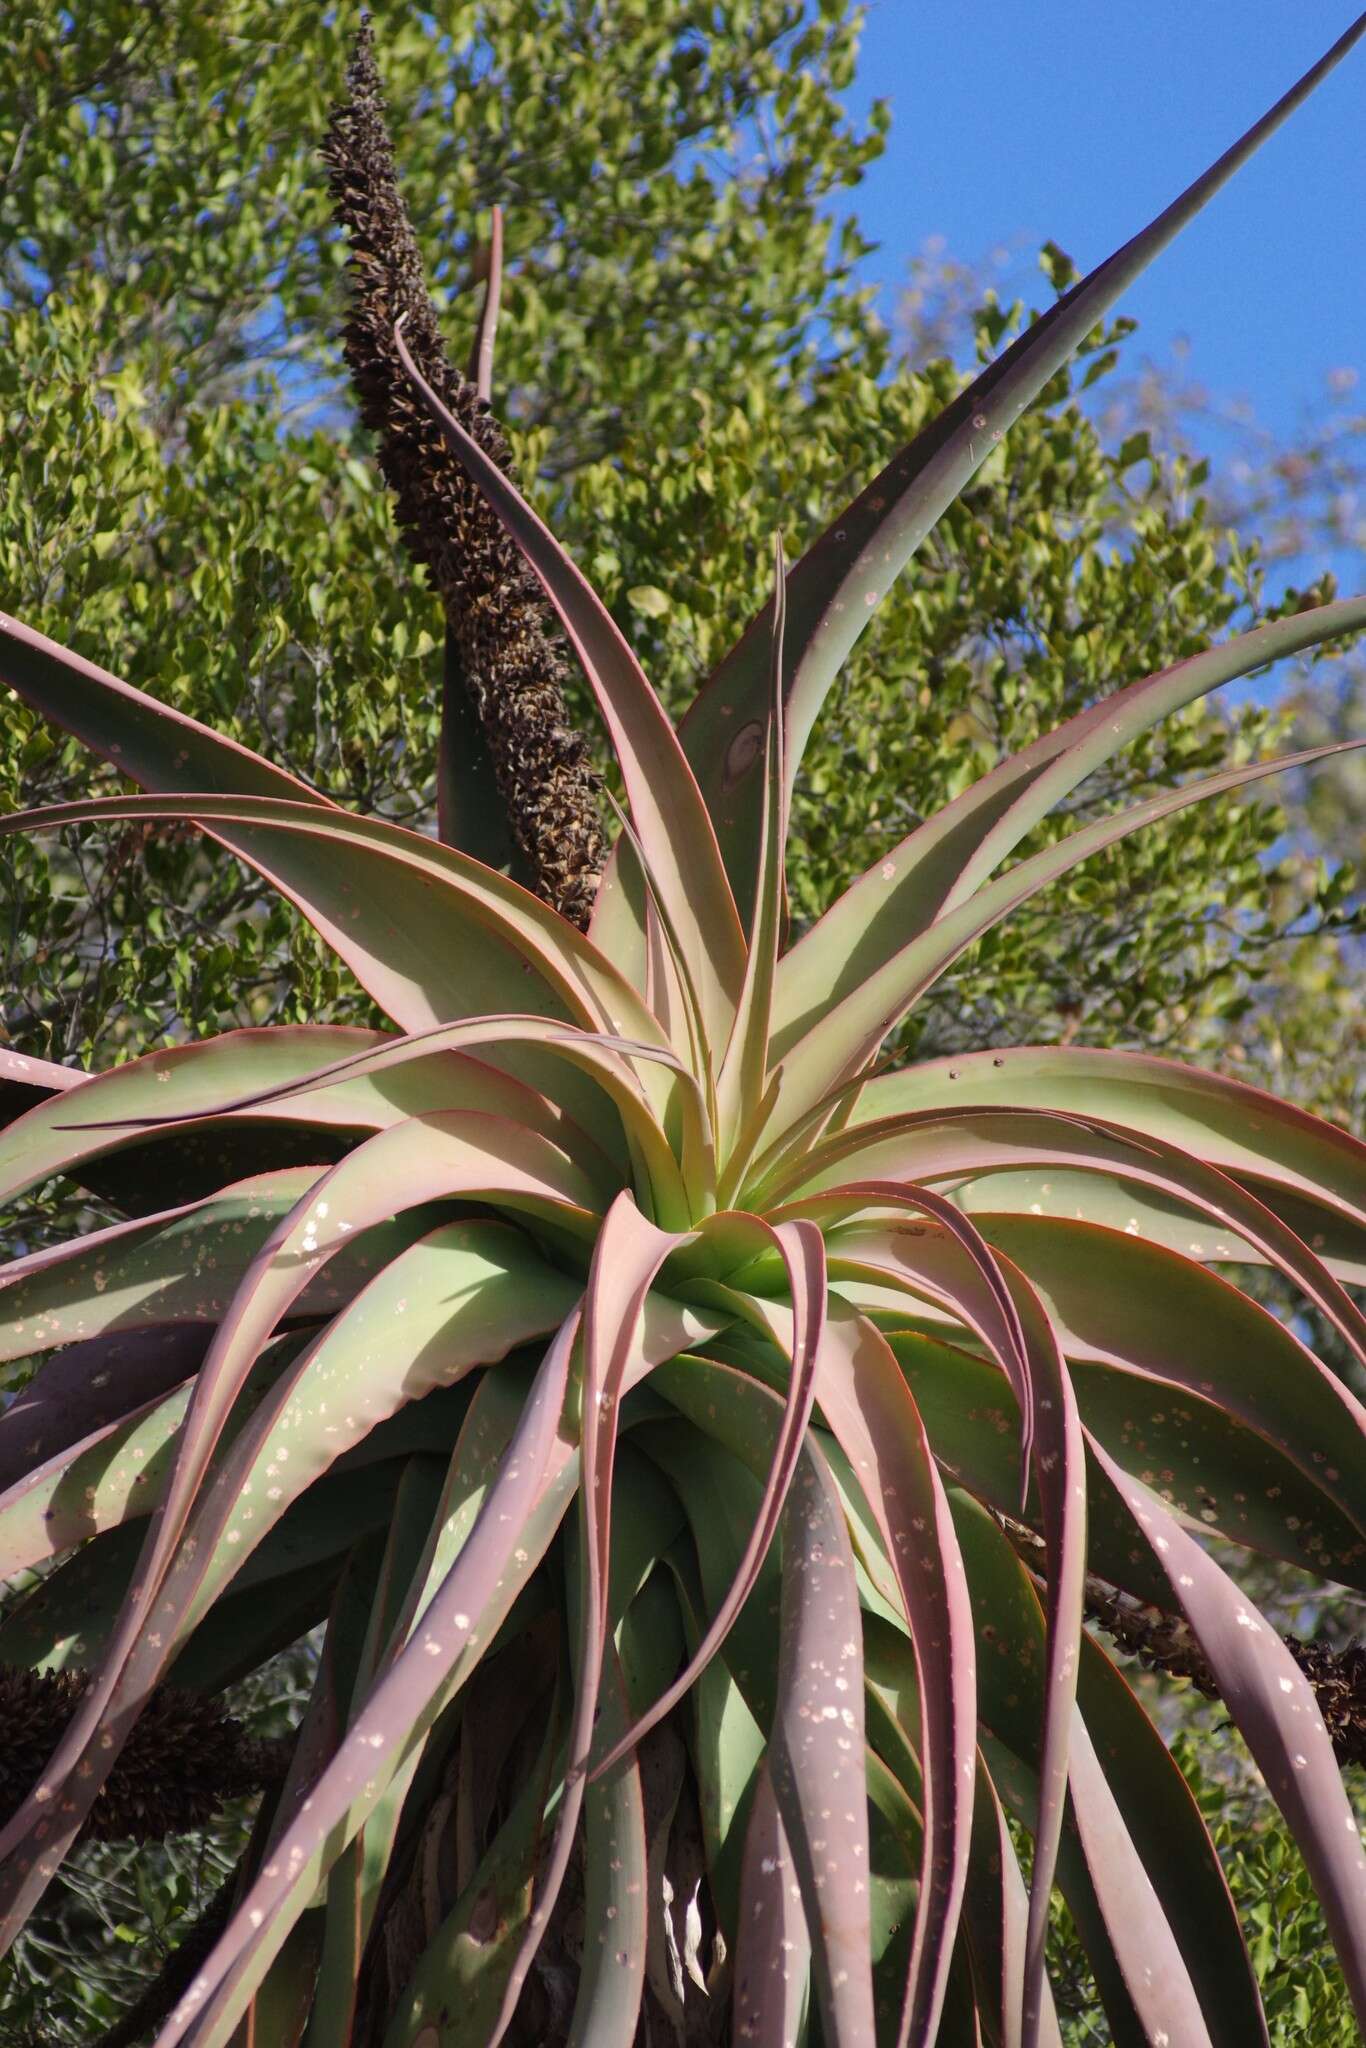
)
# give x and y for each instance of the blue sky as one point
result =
(1016, 121)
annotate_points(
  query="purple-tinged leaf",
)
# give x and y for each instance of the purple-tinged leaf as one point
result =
(981, 1297)
(428, 932)
(459, 1154)
(354, 1881)
(822, 1041)
(464, 1967)
(964, 1145)
(454, 1631)
(941, 864)
(147, 741)
(25, 1081)
(716, 1469)
(179, 1267)
(91, 1386)
(1276, 1713)
(1148, 1311)
(1143, 1937)
(1123, 1921)
(803, 1253)
(671, 818)
(1174, 1848)
(996, 1919)
(773, 1953)
(816, 1750)
(616, 1907)
(997, 1301)
(833, 590)
(114, 1474)
(281, 2009)
(1227, 1123)
(1171, 1225)
(443, 1051)
(192, 1079)
(744, 1068)
(626, 1260)
(871, 1411)
(1188, 1404)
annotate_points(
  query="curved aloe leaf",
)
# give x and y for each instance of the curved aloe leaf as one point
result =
(941, 864)
(455, 1154)
(1174, 1225)
(442, 1075)
(626, 1260)
(90, 1385)
(193, 1079)
(1169, 1833)
(467, 1961)
(468, 942)
(973, 1426)
(773, 1955)
(146, 741)
(354, 1881)
(874, 1418)
(832, 591)
(25, 1081)
(950, 1147)
(1121, 1301)
(1172, 1364)
(826, 1042)
(1000, 1304)
(616, 1899)
(176, 1269)
(460, 1620)
(1120, 1917)
(816, 1750)
(803, 1253)
(1275, 1710)
(1232, 1125)
(717, 1470)
(996, 1918)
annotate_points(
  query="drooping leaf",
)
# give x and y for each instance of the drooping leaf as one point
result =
(468, 941)
(773, 1957)
(1274, 1708)
(460, 1619)
(1242, 1129)
(816, 1752)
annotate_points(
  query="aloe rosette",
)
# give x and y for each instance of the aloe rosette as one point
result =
(623, 1364)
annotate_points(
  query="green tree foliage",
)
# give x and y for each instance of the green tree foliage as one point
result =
(191, 502)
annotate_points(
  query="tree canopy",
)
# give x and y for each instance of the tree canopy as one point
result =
(686, 364)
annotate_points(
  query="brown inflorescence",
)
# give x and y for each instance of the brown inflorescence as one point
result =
(498, 619)
(184, 1758)
(1166, 1642)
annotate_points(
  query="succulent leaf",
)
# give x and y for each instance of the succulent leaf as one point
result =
(835, 587)
(704, 1447)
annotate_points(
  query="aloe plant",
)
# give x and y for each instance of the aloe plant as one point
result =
(695, 1434)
